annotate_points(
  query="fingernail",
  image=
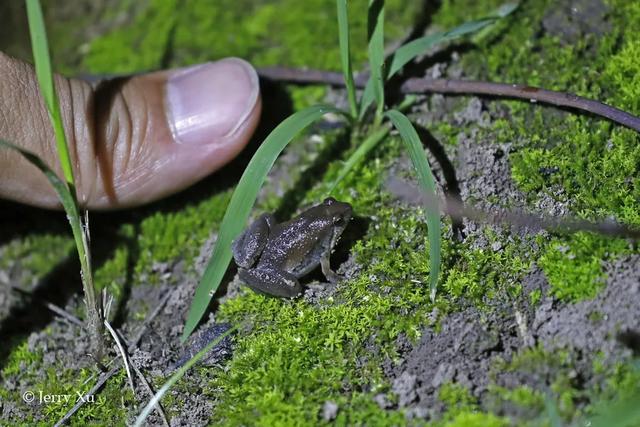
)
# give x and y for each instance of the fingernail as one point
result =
(210, 101)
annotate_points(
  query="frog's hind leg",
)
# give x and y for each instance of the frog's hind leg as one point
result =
(271, 282)
(248, 246)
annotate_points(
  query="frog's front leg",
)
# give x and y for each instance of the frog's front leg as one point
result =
(248, 246)
(325, 265)
(271, 282)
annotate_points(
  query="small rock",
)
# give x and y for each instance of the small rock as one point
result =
(404, 386)
(329, 410)
(382, 401)
(445, 373)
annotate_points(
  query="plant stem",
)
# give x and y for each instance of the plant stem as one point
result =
(530, 93)
(93, 304)
(464, 87)
(66, 193)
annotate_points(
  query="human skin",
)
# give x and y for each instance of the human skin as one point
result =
(133, 140)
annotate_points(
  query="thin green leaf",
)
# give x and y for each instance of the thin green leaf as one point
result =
(241, 203)
(406, 53)
(360, 153)
(345, 55)
(552, 411)
(425, 178)
(179, 374)
(625, 412)
(376, 53)
(65, 196)
(44, 73)
(369, 144)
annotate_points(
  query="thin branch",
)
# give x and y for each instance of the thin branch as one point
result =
(423, 85)
(104, 377)
(456, 209)
(123, 353)
(49, 305)
(149, 389)
(517, 91)
(143, 329)
(101, 382)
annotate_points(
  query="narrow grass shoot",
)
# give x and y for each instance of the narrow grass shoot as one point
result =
(242, 200)
(361, 152)
(66, 190)
(146, 411)
(246, 192)
(427, 183)
(40, 47)
(408, 52)
(375, 24)
(345, 55)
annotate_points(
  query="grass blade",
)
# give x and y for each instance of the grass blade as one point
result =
(360, 153)
(345, 55)
(65, 196)
(409, 51)
(68, 200)
(242, 201)
(44, 73)
(375, 23)
(66, 191)
(369, 144)
(551, 409)
(428, 185)
(179, 374)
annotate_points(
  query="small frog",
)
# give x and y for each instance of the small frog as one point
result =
(271, 257)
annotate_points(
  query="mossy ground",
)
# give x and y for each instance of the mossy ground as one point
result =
(299, 355)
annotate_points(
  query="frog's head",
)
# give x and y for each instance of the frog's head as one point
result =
(339, 212)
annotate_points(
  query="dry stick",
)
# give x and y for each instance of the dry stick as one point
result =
(132, 346)
(423, 85)
(533, 94)
(123, 354)
(51, 306)
(151, 392)
(103, 379)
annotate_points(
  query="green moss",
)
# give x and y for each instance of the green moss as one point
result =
(36, 255)
(477, 419)
(20, 359)
(142, 46)
(573, 266)
(522, 396)
(457, 398)
(62, 385)
(480, 274)
(165, 237)
(196, 31)
(298, 355)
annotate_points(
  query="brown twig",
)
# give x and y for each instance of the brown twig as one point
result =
(530, 93)
(466, 87)
(151, 392)
(49, 305)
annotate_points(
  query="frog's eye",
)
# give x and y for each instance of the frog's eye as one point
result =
(329, 201)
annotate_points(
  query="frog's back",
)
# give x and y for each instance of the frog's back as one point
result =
(299, 245)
